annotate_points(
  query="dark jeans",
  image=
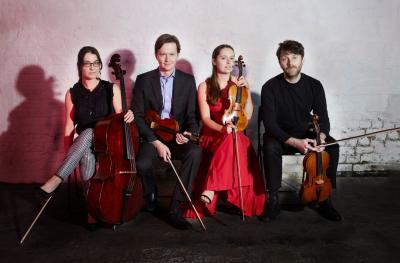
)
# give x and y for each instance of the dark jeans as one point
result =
(273, 151)
(188, 153)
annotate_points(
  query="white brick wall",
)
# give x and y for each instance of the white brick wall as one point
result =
(40, 41)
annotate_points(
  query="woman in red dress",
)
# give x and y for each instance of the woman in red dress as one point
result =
(218, 174)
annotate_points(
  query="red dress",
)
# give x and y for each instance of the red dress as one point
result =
(218, 171)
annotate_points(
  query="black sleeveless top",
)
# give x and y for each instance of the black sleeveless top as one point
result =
(91, 106)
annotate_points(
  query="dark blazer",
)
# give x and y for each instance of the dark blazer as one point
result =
(147, 95)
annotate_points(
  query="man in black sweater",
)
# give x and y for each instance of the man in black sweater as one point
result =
(287, 101)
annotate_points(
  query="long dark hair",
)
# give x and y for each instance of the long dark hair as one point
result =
(82, 54)
(214, 91)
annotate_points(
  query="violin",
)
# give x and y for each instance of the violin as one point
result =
(165, 129)
(237, 98)
(316, 186)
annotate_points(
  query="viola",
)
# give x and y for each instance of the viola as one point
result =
(115, 194)
(165, 129)
(237, 98)
(316, 186)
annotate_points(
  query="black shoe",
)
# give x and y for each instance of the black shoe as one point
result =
(179, 222)
(151, 202)
(326, 210)
(175, 217)
(92, 226)
(271, 208)
(43, 195)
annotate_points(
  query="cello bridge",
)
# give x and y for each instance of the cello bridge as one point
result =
(319, 181)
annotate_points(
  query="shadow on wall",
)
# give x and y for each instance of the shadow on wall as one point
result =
(185, 66)
(128, 63)
(252, 128)
(29, 148)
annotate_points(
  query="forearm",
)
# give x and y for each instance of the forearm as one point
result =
(209, 123)
(291, 141)
(320, 108)
(138, 108)
(271, 125)
(269, 116)
(144, 130)
(248, 110)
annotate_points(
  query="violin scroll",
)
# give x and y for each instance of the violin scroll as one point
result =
(114, 63)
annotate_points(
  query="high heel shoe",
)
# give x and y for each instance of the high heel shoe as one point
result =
(53, 180)
(207, 196)
(91, 223)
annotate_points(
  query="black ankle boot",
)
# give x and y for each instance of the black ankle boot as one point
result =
(271, 207)
(326, 210)
(175, 216)
(151, 202)
(43, 195)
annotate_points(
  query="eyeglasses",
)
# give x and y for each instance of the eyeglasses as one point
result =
(95, 64)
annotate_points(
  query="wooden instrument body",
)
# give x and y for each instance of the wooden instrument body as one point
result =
(113, 173)
(165, 129)
(237, 96)
(235, 113)
(115, 193)
(315, 188)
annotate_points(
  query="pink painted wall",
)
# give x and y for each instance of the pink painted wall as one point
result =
(349, 47)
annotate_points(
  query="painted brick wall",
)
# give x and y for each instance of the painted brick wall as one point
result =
(351, 46)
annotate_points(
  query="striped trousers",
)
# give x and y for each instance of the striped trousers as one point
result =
(80, 152)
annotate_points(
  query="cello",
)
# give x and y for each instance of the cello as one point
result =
(115, 193)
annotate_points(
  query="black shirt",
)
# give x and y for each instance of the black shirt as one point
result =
(91, 106)
(287, 107)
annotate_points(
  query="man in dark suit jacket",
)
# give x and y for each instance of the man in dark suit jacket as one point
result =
(172, 94)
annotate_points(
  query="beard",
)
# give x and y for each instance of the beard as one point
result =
(292, 72)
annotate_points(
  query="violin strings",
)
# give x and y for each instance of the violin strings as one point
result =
(130, 155)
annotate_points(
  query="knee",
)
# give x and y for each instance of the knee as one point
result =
(195, 152)
(88, 158)
(144, 165)
(87, 165)
(333, 150)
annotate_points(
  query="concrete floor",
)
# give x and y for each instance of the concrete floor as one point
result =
(370, 231)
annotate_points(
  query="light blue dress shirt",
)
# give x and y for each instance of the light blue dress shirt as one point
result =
(167, 84)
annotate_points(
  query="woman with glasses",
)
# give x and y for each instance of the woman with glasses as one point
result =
(89, 100)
